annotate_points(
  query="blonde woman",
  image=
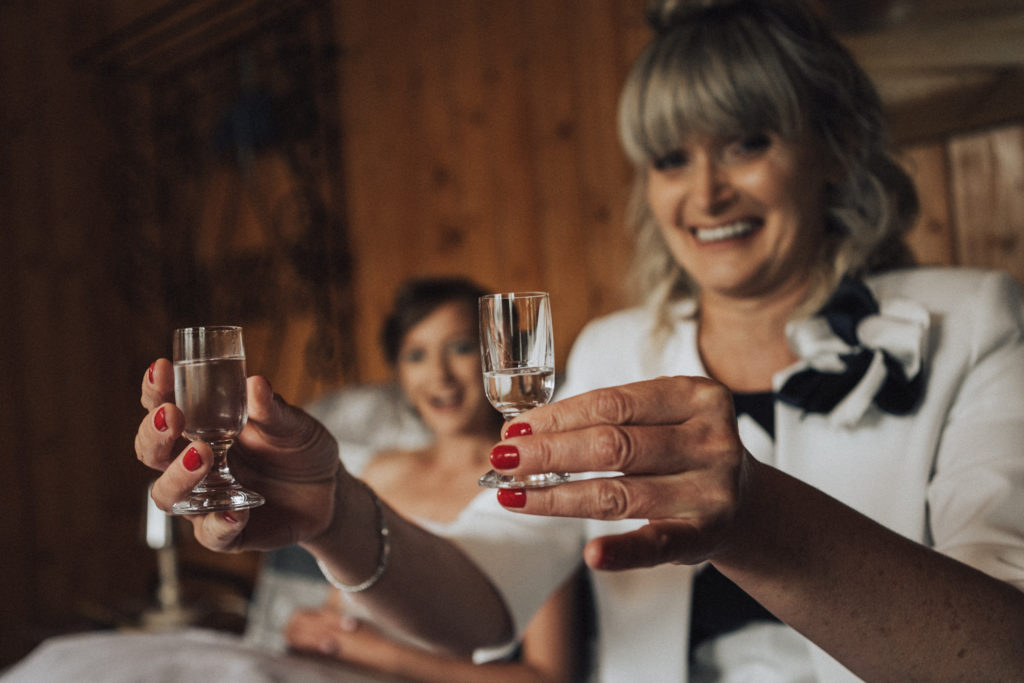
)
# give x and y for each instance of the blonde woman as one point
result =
(837, 436)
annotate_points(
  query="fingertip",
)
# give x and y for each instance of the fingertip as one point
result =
(157, 383)
(160, 371)
(327, 647)
(512, 498)
(230, 517)
(168, 421)
(261, 398)
(192, 460)
(596, 556)
(517, 429)
(195, 457)
(182, 474)
(260, 387)
(220, 530)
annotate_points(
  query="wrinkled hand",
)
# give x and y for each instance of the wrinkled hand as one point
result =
(675, 443)
(282, 453)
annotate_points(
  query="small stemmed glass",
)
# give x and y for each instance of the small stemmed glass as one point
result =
(209, 388)
(518, 349)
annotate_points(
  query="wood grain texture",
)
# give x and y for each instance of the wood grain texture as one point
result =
(987, 183)
(478, 137)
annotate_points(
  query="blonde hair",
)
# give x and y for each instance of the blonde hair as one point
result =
(731, 68)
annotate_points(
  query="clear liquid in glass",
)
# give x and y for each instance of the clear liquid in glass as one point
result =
(210, 390)
(211, 394)
(514, 391)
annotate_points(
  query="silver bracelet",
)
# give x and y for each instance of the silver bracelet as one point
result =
(382, 560)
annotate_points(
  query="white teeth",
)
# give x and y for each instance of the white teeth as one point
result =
(723, 232)
(445, 401)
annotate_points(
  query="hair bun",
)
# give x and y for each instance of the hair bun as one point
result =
(662, 15)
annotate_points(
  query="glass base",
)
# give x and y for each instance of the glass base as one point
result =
(494, 480)
(215, 500)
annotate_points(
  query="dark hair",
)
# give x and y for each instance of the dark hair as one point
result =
(738, 66)
(418, 298)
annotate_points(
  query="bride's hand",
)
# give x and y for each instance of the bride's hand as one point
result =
(283, 453)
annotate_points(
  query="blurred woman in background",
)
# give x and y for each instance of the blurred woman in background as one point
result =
(431, 340)
(868, 502)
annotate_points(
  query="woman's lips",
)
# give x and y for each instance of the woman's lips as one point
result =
(446, 401)
(721, 233)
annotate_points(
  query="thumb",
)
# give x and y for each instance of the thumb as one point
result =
(658, 542)
(279, 422)
(269, 412)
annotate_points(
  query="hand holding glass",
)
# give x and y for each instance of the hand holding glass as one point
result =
(209, 388)
(519, 366)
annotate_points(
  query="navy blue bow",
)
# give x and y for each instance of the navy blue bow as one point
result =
(817, 391)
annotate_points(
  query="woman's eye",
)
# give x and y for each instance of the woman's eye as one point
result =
(463, 347)
(751, 144)
(414, 355)
(669, 161)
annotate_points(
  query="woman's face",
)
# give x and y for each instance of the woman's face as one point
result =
(439, 371)
(743, 216)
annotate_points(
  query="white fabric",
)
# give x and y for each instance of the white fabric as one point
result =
(951, 475)
(757, 653)
(900, 328)
(188, 656)
(367, 419)
(277, 595)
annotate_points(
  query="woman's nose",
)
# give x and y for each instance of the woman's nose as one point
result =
(709, 187)
(442, 366)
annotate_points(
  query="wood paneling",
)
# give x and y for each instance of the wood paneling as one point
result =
(988, 198)
(932, 239)
(478, 138)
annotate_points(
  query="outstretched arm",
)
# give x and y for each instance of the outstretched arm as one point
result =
(430, 589)
(552, 647)
(886, 607)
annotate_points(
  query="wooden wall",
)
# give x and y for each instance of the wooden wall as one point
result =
(478, 137)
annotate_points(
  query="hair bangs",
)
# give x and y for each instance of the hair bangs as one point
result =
(716, 79)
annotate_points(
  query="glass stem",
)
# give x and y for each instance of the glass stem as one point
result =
(219, 475)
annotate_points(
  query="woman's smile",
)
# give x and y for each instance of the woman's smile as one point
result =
(728, 231)
(446, 400)
(742, 219)
(439, 370)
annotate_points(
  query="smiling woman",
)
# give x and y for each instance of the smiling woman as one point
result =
(809, 150)
(431, 339)
(742, 216)
(813, 457)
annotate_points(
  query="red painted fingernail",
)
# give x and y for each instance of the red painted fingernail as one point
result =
(504, 457)
(192, 461)
(512, 498)
(151, 366)
(160, 420)
(518, 429)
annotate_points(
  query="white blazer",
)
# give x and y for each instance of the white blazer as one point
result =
(949, 475)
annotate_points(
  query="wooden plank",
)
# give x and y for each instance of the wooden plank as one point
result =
(995, 100)
(380, 47)
(932, 238)
(606, 174)
(987, 174)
